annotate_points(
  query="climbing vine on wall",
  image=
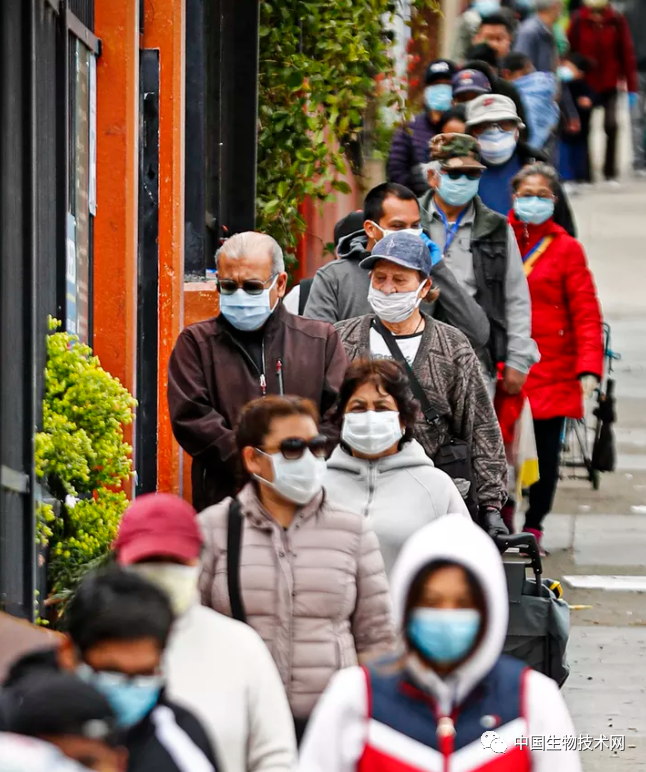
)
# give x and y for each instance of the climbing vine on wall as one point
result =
(322, 63)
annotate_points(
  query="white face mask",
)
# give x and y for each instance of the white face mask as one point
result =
(396, 307)
(372, 432)
(297, 480)
(387, 232)
(178, 582)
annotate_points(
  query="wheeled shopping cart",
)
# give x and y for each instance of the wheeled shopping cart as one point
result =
(581, 437)
(539, 619)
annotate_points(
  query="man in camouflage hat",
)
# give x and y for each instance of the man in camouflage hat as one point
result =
(481, 250)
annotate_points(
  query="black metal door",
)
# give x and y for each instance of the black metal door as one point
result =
(148, 287)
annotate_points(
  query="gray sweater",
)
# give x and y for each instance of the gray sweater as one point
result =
(399, 494)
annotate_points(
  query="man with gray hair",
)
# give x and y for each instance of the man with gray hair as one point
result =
(255, 347)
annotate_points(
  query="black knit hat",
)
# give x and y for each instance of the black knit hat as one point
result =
(439, 69)
(51, 704)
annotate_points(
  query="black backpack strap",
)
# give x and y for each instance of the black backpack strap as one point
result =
(234, 545)
(430, 413)
(306, 286)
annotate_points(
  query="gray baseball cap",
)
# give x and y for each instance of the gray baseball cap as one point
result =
(404, 249)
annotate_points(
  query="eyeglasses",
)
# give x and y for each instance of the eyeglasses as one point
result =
(293, 448)
(113, 678)
(473, 175)
(250, 286)
(507, 125)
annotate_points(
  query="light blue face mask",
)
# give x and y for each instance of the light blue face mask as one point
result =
(247, 312)
(457, 192)
(533, 209)
(443, 635)
(497, 146)
(564, 73)
(438, 97)
(525, 5)
(486, 7)
(132, 699)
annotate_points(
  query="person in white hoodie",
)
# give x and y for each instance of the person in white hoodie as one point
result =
(218, 668)
(451, 701)
(380, 470)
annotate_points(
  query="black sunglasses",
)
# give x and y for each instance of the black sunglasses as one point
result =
(250, 286)
(475, 175)
(293, 448)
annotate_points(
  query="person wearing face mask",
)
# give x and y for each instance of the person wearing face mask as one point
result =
(306, 574)
(451, 700)
(340, 289)
(601, 34)
(254, 347)
(215, 666)
(494, 122)
(118, 625)
(443, 373)
(380, 469)
(566, 325)
(409, 149)
(481, 250)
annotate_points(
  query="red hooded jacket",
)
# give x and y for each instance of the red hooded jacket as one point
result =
(566, 321)
(608, 45)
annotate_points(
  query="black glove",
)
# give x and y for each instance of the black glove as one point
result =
(491, 521)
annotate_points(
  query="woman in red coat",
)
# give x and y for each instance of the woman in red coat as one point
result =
(566, 325)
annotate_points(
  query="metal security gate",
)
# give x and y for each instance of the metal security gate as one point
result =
(36, 129)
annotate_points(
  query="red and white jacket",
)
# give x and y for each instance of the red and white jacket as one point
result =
(408, 719)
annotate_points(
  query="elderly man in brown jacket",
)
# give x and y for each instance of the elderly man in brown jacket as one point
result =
(253, 348)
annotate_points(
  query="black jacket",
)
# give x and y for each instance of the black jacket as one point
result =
(153, 744)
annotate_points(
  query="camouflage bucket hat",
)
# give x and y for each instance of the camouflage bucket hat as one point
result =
(456, 151)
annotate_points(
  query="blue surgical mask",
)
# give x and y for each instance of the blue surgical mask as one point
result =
(131, 698)
(486, 7)
(443, 635)
(247, 312)
(564, 73)
(497, 146)
(525, 5)
(438, 97)
(534, 209)
(457, 192)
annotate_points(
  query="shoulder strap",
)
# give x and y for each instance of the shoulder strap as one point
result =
(306, 286)
(234, 544)
(430, 413)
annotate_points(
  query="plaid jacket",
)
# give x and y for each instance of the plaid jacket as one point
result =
(448, 369)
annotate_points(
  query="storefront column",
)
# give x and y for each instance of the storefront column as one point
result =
(164, 29)
(115, 225)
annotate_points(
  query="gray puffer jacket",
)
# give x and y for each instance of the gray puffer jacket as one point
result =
(316, 592)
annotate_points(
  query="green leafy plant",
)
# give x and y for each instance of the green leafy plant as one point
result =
(322, 64)
(82, 458)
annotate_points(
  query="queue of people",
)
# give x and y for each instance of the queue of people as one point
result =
(334, 600)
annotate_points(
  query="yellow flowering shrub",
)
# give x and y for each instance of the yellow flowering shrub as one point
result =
(82, 457)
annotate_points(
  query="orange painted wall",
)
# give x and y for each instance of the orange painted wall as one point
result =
(115, 226)
(164, 29)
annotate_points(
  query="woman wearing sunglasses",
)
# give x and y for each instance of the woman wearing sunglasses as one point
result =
(308, 576)
(379, 469)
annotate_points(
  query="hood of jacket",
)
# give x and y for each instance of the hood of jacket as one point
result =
(527, 233)
(411, 455)
(353, 246)
(457, 540)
